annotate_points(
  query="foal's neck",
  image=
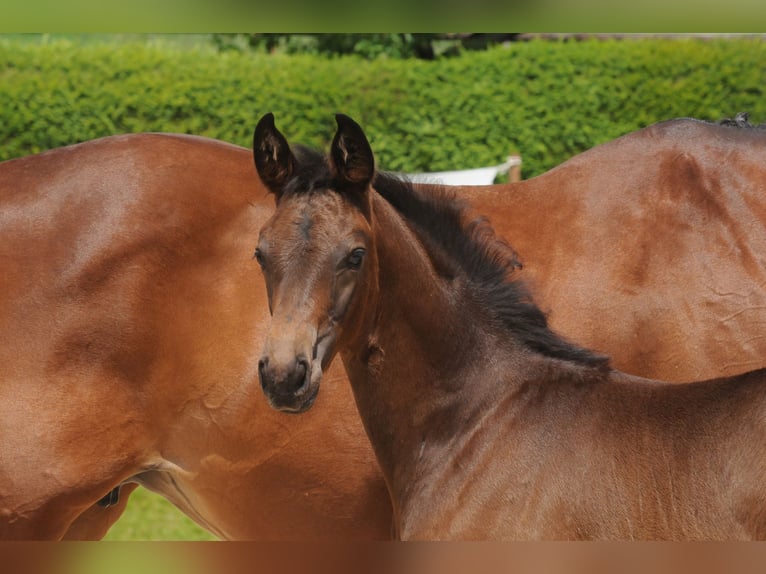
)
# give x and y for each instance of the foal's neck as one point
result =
(428, 363)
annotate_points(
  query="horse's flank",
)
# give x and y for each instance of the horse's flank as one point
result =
(131, 323)
(649, 248)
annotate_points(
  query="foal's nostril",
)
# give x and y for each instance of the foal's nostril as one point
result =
(297, 379)
(262, 364)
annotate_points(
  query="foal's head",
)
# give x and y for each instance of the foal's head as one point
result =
(316, 252)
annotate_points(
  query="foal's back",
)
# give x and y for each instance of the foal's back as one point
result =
(610, 456)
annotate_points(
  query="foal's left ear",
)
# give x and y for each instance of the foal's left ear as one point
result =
(273, 159)
(351, 154)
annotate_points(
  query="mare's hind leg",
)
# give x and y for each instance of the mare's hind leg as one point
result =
(53, 510)
(95, 522)
(70, 444)
(63, 508)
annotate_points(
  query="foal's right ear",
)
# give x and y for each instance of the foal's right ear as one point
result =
(273, 159)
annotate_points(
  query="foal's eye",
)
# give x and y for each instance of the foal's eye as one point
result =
(258, 256)
(355, 258)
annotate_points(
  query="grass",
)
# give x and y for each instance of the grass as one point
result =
(151, 517)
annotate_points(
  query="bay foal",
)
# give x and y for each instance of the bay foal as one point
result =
(486, 424)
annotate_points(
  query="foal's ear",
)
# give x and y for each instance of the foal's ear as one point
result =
(351, 154)
(273, 159)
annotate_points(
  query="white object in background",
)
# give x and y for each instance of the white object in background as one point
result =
(478, 176)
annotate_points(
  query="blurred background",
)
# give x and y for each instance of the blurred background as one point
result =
(428, 101)
(429, 15)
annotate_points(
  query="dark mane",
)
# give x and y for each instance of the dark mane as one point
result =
(484, 261)
(741, 120)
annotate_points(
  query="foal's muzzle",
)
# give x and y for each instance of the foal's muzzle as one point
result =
(287, 384)
(292, 362)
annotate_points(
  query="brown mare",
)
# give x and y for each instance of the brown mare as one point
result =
(131, 321)
(133, 316)
(486, 424)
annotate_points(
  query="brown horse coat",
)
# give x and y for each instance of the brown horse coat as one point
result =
(651, 248)
(132, 318)
(487, 425)
(131, 323)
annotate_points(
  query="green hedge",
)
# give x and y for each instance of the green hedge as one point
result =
(547, 100)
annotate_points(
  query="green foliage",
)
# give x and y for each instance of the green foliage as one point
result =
(546, 100)
(369, 46)
(148, 516)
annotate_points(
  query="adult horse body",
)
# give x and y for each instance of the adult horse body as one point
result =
(651, 247)
(131, 322)
(486, 423)
(133, 317)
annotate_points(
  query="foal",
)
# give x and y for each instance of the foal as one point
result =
(486, 424)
